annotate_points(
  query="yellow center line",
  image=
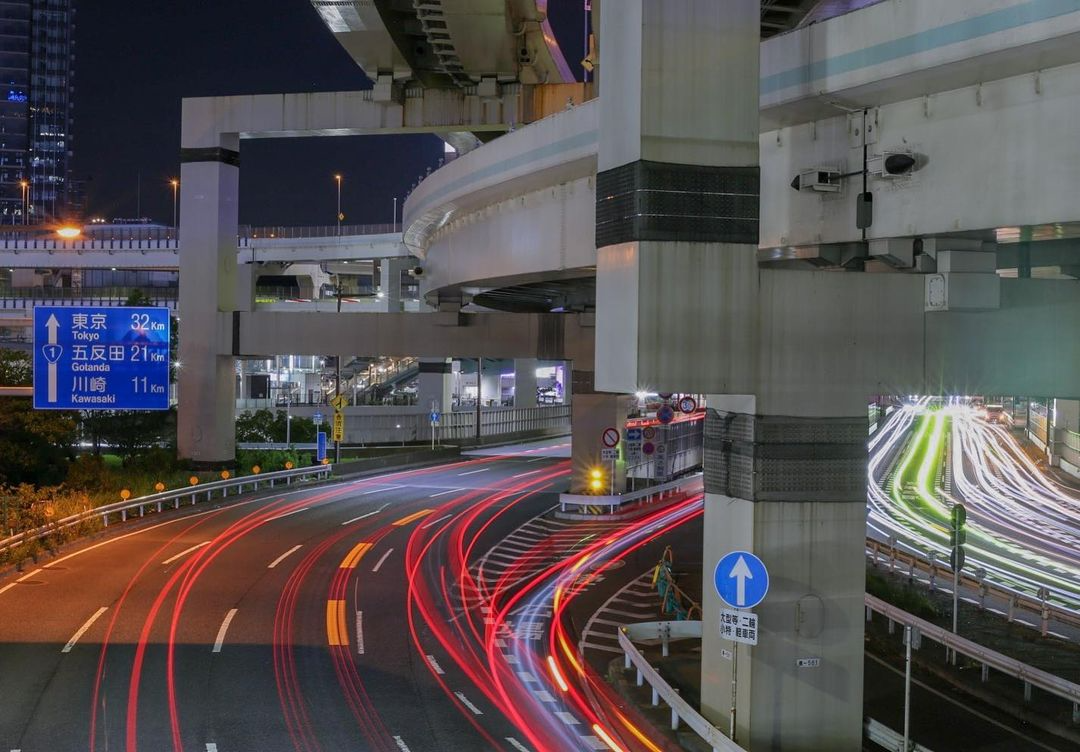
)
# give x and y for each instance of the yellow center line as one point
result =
(413, 517)
(358, 551)
(336, 631)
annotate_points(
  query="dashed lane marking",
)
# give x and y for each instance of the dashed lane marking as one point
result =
(443, 493)
(352, 559)
(436, 522)
(28, 575)
(379, 490)
(474, 472)
(224, 628)
(282, 558)
(365, 515)
(516, 744)
(465, 701)
(82, 630)
(566, 718)
(435, 665)
(360, 632)
(211, 747)
(185, 552)
(401, 744)
(412, 517)
(283, 515)
(379, 563)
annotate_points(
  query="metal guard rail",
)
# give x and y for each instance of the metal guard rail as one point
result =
(1015, 598)
(1036, 677)
(883, 736)
(680, 708)
(618, 500)
(123, 507)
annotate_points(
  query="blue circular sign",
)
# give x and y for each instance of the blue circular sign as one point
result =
(665, 414)
(741, 580)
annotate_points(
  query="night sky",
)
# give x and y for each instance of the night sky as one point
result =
(135, 61)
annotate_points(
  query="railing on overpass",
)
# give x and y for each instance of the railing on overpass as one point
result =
(248, 232)
(616, 502)
(21, 298)
(158, 500)
(987, 658)
(137, 236)
(1014, 600)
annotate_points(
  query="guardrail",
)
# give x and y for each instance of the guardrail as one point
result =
(648, 495)
(989, 659)
(883, 736)
(122, 508)
(1015, 600)
(681, 711)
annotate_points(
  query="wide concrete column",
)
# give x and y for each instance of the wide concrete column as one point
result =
(791, 490)
(209, 191)
(435, 384)
(390, 270)
(591, 414)
(525, 382)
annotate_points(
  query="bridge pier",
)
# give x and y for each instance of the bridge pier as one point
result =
(210, 183)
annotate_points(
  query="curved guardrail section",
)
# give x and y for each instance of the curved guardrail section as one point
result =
(616, 502)
(158, 500)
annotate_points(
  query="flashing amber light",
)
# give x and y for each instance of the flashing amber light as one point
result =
(69, 232)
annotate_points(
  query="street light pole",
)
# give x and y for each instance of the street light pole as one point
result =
(338, 179)
(175, 185)
(395, 213)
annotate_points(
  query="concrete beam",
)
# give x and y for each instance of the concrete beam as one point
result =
(487, 335)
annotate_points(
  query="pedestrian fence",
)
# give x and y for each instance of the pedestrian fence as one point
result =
(121, 510)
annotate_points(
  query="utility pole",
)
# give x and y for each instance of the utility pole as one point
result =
(479, 379)
(337, 392)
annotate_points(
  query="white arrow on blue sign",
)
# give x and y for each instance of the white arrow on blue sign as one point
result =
(741, 580)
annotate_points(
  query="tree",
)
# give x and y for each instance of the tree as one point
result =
(266, 427)
(34, 444)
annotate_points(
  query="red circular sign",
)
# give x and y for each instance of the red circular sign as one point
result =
(648, 448)
(610, 438)
(688, 404)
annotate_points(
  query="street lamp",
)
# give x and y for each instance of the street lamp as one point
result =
(337, 178)
(25, 200)
(175, 185)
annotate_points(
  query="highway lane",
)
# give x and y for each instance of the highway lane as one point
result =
(218, 561)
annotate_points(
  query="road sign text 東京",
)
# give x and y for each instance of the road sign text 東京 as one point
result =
(101, 358)
(739, 626)
(741, 580)
(609, 454)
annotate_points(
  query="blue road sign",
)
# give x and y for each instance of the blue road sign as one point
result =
(320, 446)
(665, 414)
(101, 358)
(633, 434)
(434, 416)
(741, 580)
(317, 418)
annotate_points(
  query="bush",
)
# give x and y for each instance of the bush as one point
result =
(901, 596)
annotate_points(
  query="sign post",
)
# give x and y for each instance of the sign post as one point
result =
(957, 537)
(434, 417)
(101, 358)
(742, 582)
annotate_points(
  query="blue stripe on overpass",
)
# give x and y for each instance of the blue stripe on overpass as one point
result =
(965, 30)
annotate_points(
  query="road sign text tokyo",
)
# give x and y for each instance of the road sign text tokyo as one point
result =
(101, 358)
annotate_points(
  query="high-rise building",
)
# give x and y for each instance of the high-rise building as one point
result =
(36, 68)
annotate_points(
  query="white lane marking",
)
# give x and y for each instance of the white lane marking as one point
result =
(379, 563)
(281, 558)
(443, 493)
(224, 628)
(566, 718)
(474, 472)
(28, 575)
(522, 475)
(544, 696)
(537, 459)
(435, 664)
(516, 744)
(465, 701)
(595, 743)
(283, 515)
(401, 744)
(360, 632)
(436, 522)
(527, 676)
(185, 552)
(82, 630)
(365, 515)
(211, 747)
(7, 587)
(378, 490)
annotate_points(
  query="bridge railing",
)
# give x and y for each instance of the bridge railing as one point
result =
(122, 509)
(989, 659)
(1014, 600)
(614, 503)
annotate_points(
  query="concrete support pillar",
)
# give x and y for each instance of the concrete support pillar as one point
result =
(436, 384)
(793, 492)
(525, 382)
(568, 382)
(209, 188)
(390, 270)
(1066, 415)
(590, 415)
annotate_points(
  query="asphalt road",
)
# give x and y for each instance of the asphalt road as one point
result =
(261, 623)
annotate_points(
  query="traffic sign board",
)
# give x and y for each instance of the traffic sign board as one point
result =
(339, 426)
(338, 401)
(957, 558)
(609, 454)
(739, 626)
(610, 437)
(688, 404)
(101, 358)
(741, 579)
(648, 448)
(665, 414)
(320, 446)
(633, 434)
(648, 433)
(434, 417)
(317, 418)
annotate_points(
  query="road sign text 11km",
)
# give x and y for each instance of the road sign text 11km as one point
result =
(101, 358)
